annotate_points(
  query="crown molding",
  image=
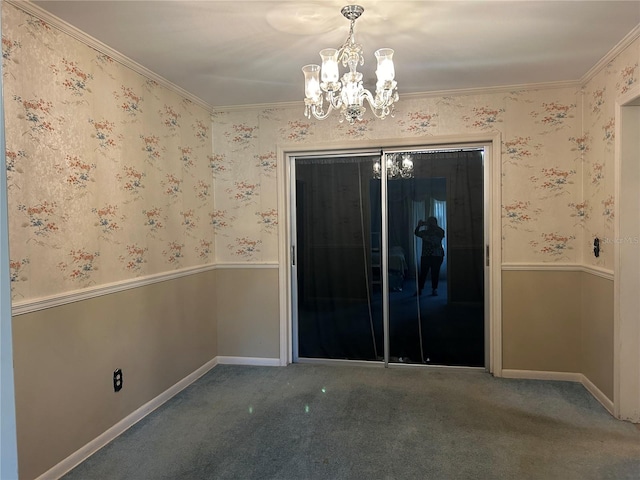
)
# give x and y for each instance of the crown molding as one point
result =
(38, 12)
(495, 89)
(258, 106)
(576, 84)
(59, 24)
(632, 36)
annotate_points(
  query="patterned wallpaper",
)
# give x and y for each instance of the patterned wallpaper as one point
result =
(546, 157)
(541, 168)
(597, 207)
(112, 176)
(109, 173)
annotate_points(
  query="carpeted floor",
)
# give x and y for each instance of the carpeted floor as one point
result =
(350, 422)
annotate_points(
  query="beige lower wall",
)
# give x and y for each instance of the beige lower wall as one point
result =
(596, 357)
(65, 357)
(559, 321)
(541, 320)
(555, 321)
(248, 312)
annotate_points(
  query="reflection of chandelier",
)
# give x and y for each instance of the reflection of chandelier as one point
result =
(349, 95)
(395, 167)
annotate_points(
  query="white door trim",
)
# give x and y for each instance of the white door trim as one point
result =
(626, 277)
(8, 436)
(494, 192)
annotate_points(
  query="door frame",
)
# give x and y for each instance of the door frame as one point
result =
(626, 281)
(493, 225)
(292, 212)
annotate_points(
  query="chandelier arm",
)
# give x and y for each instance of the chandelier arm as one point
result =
(383, 98)
(321, 116)
(383, 103)
(381, 112)
(366, 95)
(379, 109)
(334, 99)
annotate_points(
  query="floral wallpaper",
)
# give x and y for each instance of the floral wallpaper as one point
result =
(541, 171)
(600, 95)
(109, 173)
(549, 155)
(111, 176)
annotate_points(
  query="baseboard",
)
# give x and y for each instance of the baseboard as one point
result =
(96, 444)
(256, 361)
(542, 375)
(598, 395)
(565, 377)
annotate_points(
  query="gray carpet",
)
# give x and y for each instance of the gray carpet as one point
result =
(349, 422)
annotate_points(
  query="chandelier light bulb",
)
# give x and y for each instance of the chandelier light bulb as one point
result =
(312, 82)
(385, 71)
(330, 72)
(347, 94)
(407, 163)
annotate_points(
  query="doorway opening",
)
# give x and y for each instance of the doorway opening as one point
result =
(389, 256)
(627, 259)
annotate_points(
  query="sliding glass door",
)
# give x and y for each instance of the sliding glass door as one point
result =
(337, 259)
(388, 257)
(435, 219)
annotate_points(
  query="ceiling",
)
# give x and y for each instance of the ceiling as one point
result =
(243, 52)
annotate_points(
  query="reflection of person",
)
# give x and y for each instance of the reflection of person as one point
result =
(432, 252)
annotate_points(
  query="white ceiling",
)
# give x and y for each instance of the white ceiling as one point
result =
(250, 52)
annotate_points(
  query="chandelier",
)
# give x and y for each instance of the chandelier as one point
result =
(349, 95)
(397, 167)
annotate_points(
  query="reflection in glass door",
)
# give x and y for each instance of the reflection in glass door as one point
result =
(435, 218)
(400, 284)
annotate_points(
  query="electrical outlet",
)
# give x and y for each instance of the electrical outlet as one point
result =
(117, 380)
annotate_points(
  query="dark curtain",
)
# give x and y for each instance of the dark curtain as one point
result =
(338, 268)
